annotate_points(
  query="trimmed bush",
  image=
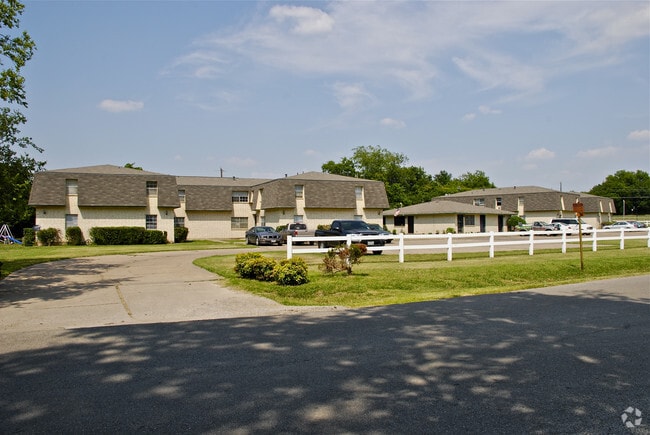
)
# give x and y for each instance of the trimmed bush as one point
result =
(126, 236)
(180, 234)
(154, 237)
(29, 237)
(49, 237)
(74, 236)
(292, 272)
(255, 266)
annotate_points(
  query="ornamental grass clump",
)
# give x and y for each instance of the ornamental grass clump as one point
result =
(342, 258)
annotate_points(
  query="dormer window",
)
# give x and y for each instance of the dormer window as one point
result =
(71, 187)
(152, 188)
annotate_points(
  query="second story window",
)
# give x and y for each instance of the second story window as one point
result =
(71, 187)
(240, 197)
(299, 189)
(181, 195)
(152, 188)
(358, 191)
(479, 201)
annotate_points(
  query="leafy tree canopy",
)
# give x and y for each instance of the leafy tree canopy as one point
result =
(16, 165)
(405, 185)
(629, 188)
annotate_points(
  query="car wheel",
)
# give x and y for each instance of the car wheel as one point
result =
(377, 252)
(257, 241)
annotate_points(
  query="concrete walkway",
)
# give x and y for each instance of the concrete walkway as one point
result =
(123, 289)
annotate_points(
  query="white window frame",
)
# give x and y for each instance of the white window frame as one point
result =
(240, 196)
(151, 222)
(238, 223)
(299, 191)
(71, 220)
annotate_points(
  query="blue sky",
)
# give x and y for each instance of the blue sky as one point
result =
(543, 93)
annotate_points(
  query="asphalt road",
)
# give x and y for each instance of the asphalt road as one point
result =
(108, 346)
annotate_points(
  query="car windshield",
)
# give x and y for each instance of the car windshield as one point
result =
(265, 230)
(355, 225)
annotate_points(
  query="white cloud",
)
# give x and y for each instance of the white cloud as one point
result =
(405, 44)
(540, 154)
(117, 106)
(469, 117)
(392, 123)
(307, 20)
(350, 95)
(642, 135)
(599, 152)
(487, 110)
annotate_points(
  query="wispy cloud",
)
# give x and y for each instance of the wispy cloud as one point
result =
(392, 123)
(642, 135)
(406, 44)
(350, 95)
(540, 154)
(117, 106)
(306, 20)
(595, 153)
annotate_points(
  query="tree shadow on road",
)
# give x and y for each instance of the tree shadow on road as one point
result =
(512, 363)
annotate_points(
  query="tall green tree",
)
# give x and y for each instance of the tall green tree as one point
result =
(17, 166)
(405, 185)
(629, 190)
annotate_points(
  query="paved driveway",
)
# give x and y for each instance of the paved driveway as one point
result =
(568, 359)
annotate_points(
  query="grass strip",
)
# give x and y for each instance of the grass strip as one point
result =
(381, 280)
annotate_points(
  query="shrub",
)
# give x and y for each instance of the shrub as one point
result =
(342, 258)
(514, 221)
(126, 236)
(49, 237)
(180, 234)
(254, 266)
(29, 237)
(154, 237)
(74, 236)
(450, 230)
(291, 272)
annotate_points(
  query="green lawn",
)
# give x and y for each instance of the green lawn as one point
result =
(381, 280)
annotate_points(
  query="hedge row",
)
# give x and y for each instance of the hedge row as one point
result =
(127, 236)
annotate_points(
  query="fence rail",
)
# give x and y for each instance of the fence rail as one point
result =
(458, 242)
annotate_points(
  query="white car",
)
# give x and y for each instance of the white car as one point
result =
(622, 225)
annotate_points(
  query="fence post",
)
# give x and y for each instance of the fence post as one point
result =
(531, 243)
(348, 240)
(594, 245)
(564, 241)
(289, 248)
(622, 246)
(449, 247)
(648, 237)
(491, 244)
(401, 248)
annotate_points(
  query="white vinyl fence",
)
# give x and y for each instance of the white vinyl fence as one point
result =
(476, 241)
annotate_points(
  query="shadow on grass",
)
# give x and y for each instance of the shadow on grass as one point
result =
(517, 363)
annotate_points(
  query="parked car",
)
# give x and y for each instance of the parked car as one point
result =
(638, 224)
(295, 230)
(542, 226)
(560, 227)
(621, 225)
(381, 231)
(574, 224)
(263, 236)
